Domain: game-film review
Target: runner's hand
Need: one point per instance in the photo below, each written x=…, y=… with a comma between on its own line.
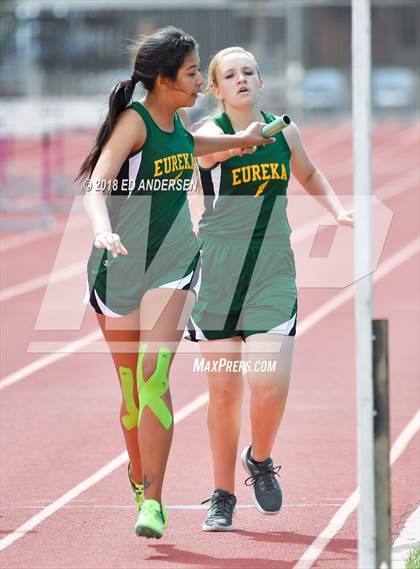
x=345, y=218
x=111, y=242
x=252, y=135
x=242, y=151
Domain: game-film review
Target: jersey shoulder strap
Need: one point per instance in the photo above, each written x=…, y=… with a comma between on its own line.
x=142, y=111
x=224, y=123
x=179, y=126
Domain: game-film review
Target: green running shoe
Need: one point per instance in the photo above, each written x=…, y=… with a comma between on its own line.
x=138, y=490
x=152, y=520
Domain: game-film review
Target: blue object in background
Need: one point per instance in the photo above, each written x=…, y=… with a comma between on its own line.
x=324, y=88
x=393, y=88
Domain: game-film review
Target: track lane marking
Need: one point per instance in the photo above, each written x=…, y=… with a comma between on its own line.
x=168, y=506
x=409, y=132
x=337, y=522
x=39, y=282
x=21, y=239
x=343, y=513
x=386, y=191
x=384, y=268
x=115, y=463
x=408, y=539
x=45, y=361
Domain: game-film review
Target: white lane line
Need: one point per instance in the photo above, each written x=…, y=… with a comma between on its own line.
x=410, y=137
x=29, y=237
x=45, y=361
x=205, y=507
x=386, y=191
x=410, y=133
x=170, y=506
x=402, y=441
x=339, y=134
x=384, y=268
x=41, y=281
x=340, y=517
x=201, y=400
x=408, y=539
x=91, y=480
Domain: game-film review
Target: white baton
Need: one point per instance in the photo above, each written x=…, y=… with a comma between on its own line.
x=276, y=126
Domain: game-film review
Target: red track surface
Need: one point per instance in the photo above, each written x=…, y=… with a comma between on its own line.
x=60, y=424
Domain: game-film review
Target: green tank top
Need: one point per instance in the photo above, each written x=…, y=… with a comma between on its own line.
x=161, y=171
x=242, y=194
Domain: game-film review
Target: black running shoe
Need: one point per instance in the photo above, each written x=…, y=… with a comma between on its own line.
x=222, y=507
x=267, y=493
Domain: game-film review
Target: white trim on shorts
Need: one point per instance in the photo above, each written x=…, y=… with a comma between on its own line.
x=198, y=332
x=283, y=329
x=180, y=283
x=104, y=308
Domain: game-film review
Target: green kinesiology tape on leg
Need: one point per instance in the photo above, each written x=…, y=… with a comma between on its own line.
x=127, y=384
x=152, y=390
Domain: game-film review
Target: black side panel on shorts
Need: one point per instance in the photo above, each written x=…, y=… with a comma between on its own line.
x=208, y=191
x=114, y=211
x=195, y=266
x=94, y=302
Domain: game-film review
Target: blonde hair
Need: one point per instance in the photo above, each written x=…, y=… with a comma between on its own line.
x=216, y=59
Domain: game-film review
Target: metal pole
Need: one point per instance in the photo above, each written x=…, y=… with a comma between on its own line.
x=46, y=171
x=381, y=429
x=3, y=161
x=361, y=71
x=294, y=55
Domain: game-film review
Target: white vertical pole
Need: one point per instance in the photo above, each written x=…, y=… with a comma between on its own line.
x=361, y=72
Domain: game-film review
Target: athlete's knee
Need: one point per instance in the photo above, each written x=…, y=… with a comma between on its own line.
x=269, y=392
x=153, y=384
x=226, y=394
x=148, y=364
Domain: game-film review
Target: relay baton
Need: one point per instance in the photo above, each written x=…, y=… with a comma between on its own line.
x=276, y=126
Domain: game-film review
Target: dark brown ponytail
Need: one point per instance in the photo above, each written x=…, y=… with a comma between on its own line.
x=161, y=53
x=119, y=98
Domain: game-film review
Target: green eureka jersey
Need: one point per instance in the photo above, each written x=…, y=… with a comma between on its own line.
x=161, y=171
x=261, y=178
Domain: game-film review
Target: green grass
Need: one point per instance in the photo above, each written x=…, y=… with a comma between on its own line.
x=413, y=559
